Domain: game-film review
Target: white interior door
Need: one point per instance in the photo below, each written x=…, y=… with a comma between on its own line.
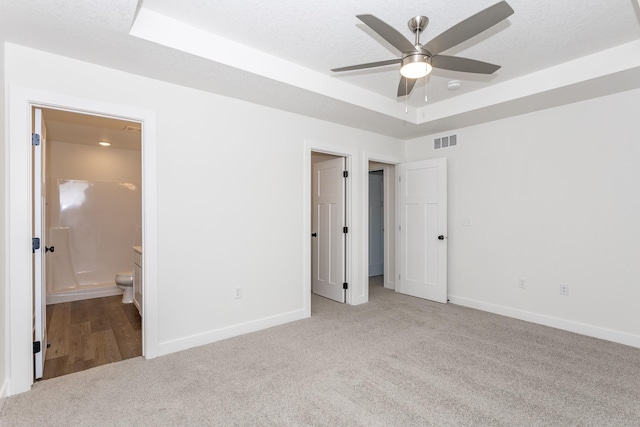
x=39, y=251
x=376, y=224
x=422, y=190
x=327, y=222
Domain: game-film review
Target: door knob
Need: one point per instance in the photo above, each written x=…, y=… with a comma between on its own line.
x=441, y=237
x=49, y=249
x=314, y=234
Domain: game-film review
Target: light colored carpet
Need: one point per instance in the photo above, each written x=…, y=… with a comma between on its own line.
x=396, y=361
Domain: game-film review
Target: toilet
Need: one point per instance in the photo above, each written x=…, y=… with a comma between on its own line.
x=125, y=282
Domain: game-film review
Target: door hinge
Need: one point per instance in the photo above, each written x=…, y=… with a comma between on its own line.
x=345, y=174
x=345, y=230
x=35, y=139
x=345, y=285
x=399, y=276
x=35, y=244
x=36, y=347
x=399, y=179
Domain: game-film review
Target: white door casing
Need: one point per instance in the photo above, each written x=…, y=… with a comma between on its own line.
x=327, y=222
x=39, y=252
x=422, y=229
x=376, y=224
x=19, y=217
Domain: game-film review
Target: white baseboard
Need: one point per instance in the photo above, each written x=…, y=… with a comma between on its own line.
x=229, y=332
x=554, y=322
x=82, y=294
x=3, y=394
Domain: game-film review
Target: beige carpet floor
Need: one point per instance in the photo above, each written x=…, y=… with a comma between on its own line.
x=396, y=361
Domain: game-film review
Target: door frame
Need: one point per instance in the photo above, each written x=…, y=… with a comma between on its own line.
x=39, y=212
x=18, y=176
x=357, y=217
x=350, y=278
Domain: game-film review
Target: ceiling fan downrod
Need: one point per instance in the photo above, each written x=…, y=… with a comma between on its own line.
x=417, y=24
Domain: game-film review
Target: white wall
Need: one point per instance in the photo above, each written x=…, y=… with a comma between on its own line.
x=4, y=315
x=553, y=198
x=231, y=208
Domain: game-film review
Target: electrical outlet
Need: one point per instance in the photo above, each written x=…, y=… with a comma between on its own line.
x=238, y=290
x=522, y=283
x=467, y=221
x=564, y=289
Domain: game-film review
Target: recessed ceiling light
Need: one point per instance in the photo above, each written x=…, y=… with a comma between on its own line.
x=104, y=143
x=454, y=85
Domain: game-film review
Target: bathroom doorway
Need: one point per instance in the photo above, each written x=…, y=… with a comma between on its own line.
x=19, y=216
x=92, y=218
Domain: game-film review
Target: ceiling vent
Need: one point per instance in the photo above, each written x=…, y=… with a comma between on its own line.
x=445, y=142
x=131, y=128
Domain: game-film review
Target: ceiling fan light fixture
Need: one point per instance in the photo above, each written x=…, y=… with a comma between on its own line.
x=416, y=66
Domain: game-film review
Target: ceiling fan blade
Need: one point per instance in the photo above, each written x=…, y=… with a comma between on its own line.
x=368, y=65
x=388, y=33
x=470, y=27
x=405, y=86
x=456, y=63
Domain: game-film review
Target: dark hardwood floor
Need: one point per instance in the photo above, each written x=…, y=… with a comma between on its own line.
x=89, y=333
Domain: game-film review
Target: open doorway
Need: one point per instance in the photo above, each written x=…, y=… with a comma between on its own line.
x=381, y=233
x=90, y=215
x=19, y=216
x=376, y=231
x=376, y=223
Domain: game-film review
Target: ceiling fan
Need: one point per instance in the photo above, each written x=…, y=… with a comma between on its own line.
x=417, y=60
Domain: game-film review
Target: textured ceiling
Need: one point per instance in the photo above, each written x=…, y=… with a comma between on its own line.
x=541, y=44
x=327, y=34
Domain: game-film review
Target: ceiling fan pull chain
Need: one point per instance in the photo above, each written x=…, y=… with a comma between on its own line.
x=426, y=89
x=406, y=97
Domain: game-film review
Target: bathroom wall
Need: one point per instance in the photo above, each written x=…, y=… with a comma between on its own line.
x=94, y=192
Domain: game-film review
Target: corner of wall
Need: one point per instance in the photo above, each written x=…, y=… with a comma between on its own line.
x=3, y=232
x=230, y=332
